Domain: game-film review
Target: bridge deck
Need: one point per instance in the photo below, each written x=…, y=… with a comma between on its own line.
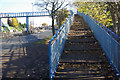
x=24, y=14
x=83, y=58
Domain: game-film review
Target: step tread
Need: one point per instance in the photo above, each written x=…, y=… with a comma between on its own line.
x=82, y=47
x=81, y=40
x=72, y=31
x=80, y=36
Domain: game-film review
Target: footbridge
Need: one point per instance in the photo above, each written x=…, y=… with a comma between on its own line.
x=89, y=50
x=23, y=14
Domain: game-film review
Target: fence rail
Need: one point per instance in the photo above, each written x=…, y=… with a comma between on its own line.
x=56, y=45
x=108, y=41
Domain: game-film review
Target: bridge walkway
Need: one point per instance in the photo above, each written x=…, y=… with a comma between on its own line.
x=83, y=58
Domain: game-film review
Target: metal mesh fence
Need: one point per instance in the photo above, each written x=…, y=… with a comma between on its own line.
x=56, y=45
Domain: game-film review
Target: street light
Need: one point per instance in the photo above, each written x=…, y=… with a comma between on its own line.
x=33, y=11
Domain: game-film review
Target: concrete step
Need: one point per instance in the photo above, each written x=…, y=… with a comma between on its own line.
x=77, y=24
x=84, y=52
x=83, y=45
x=80, y=29
x=82, y=78
x=73, y=31
x=80, y=36
x=84, y=56
x=84, y=40
x=83, y=27
x=77, y=21
x=83, y=70
x=74, y=76
x=81, y=48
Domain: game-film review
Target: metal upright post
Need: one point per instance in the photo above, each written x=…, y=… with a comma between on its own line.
x=33, y=13
x=0, y=25
x=50, y=62
x=27, y=24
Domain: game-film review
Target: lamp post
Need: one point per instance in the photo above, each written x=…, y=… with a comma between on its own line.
x=33, y=13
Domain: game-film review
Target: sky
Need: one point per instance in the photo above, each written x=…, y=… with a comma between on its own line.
x=16, y=5
x=22, y=6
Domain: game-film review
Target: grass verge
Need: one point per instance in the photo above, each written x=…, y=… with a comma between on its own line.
x=43, y=41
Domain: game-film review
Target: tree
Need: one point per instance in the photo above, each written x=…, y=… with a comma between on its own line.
x=52, y=6
x=114, y=8
x=15, y=22
x=62, y=15
x=22, y=25
x=107, y=13
x=44, y=24
x=9, y=22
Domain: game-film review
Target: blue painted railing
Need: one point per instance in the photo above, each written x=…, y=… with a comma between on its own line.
x=24, y=14
x=108, y=41
x=56, y=45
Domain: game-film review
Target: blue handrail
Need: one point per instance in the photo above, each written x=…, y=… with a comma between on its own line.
x=108, y=41
x=108, y=30
x=56, y=45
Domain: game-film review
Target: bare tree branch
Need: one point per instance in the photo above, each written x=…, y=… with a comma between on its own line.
x=52, y=6
x=59, y=6
x=56, y=3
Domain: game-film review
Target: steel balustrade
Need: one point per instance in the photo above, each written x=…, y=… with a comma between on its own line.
x=108, y=41
x=56, y=45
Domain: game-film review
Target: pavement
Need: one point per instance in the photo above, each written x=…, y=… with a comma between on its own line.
x=9, y=45
x=22, y=60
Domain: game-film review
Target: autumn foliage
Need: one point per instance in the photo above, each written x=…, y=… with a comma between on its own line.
x=15, y=22
x=107, y=13
x=62, y=15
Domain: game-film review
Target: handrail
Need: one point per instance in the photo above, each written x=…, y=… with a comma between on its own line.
x=108, y=41
x=108, y=30
x=56, y=45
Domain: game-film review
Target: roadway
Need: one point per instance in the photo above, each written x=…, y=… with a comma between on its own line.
x=9, y=45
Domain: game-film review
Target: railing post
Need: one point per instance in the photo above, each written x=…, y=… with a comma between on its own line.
x=50, y=59
x=87, y=18
x=117, y=57
x=0, y=25
x=27, y=24
x=77, y=11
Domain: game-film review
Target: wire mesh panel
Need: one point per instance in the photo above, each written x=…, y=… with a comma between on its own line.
x=56, y=45
x=107, y=40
